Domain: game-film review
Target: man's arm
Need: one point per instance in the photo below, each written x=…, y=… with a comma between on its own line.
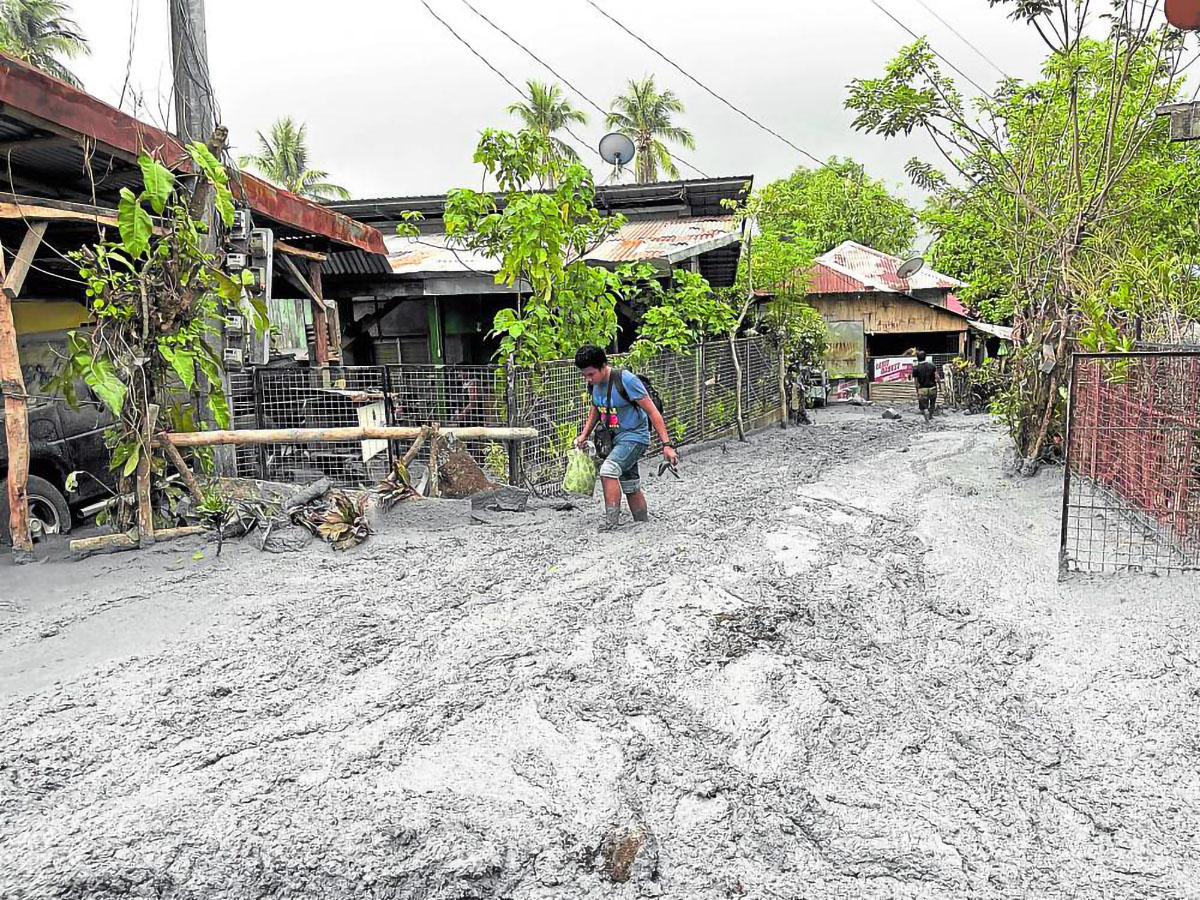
x=592, y=419
x=660, y=427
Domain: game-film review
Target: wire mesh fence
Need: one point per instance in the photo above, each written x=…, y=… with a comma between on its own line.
x=700, y=389
x=1131, y=491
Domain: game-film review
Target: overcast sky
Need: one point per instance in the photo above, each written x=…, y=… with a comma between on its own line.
x=394, y=103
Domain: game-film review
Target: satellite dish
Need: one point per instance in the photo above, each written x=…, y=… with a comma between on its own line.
x=910, y=268
x=616, y=149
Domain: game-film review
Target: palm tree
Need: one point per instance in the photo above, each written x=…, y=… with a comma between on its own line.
x=283, y=159
x=548, y=112
x=39, y=32
x=644, y=116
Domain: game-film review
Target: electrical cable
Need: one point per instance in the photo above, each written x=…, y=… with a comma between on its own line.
x=918, y=37
x=704, y=86
x=545, y=65
x=962, y=38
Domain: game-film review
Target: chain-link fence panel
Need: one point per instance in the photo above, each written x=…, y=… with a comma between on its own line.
x=1131, y=488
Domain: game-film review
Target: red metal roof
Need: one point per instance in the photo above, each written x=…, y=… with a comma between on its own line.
x=53, y=105
x=877, y=270
x=824, y=280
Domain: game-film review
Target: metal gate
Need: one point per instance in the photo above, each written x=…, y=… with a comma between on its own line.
x=1131, y=486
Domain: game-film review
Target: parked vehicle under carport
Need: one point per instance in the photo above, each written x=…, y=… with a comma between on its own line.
x=62, y=440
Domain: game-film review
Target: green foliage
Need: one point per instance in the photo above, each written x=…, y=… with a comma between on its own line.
x=1064, y=206
x=539, y=239
x=282, y=159
x=800, y=329
x=644, y=115
x=673, y=320
x=39, y=32
x=839, y=202
x=547, y=112
x=154, y=293
x=496, y=462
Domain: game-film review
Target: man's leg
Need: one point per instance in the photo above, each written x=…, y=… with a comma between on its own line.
x=637, y=506
x=611, y=486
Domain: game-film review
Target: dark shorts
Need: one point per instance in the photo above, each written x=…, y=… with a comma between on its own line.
x=926, y=397
x=622, y=463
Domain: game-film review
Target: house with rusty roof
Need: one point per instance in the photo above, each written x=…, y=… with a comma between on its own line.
x=67, y=155
x=877, y=316
x=431, y=302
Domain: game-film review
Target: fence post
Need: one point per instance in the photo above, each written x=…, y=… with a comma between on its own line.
x=783, y=397
x=514, y=447
x=256, y=386
x=1063, y=557
x=702, y=375
x=389, y=415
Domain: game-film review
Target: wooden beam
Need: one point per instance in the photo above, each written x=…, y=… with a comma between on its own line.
x=15, y=279
x=299, y=251
x=10, y=210
x=130, y=540
x=293, y=275
x=16, y=430
x=347, y=433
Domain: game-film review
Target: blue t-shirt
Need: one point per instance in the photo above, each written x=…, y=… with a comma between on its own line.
x=628, y=420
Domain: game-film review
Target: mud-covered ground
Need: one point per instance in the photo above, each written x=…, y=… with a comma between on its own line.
x=837, y=663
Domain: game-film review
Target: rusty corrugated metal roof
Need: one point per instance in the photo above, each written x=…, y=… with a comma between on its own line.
x=666, y=240
x=41, y=102
x=824, y=280
x=878, y=270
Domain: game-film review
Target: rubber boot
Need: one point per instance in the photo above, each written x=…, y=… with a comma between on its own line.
x=612, y=518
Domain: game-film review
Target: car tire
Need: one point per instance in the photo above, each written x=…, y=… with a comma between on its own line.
x=44, y=494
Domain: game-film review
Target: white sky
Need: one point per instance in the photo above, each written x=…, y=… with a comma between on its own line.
x=394, y=103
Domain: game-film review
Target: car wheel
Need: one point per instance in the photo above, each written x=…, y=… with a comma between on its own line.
x=48, y=509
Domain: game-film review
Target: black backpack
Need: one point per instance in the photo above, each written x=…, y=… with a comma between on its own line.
x=655, y=397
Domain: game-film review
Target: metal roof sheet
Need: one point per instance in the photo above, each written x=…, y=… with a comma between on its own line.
x=878, y=270
x=666, y=240
x=38, y=106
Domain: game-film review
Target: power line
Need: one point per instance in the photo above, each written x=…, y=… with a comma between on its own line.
x=879, y=6
x=962, y=38
x=701, y=84
x=563, y=79
x=484, y=60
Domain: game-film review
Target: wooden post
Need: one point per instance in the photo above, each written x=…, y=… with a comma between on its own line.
x=333, y=329
x=512, y=411
x=184, y=471
x=434, y=468
x=783, y=397
x=16, y=429
x=145, y=458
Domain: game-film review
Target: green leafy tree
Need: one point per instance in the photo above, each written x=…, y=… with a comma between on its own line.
x=40, y=33
x=282, y=159
x=644, y=115
x=540, y=239
x=155, y=293
x=1052, y=190
x=676, y=317
x=837, y=203
x=547, y=112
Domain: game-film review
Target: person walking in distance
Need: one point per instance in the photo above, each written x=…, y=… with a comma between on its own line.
x=619, y=418
x=925, y=374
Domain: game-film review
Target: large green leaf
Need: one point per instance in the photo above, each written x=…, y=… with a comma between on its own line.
x=158, y=180
x=182, y=361
x=216, y=393
x=225, y=204
x=134, y=224
x=102, y=378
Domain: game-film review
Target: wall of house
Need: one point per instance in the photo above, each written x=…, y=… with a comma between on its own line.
x=884, y=313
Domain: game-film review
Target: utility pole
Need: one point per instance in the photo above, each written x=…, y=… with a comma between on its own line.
x=194, y=120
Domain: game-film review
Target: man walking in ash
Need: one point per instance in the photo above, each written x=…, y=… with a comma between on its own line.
x=925, y=374
x=619, y=421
